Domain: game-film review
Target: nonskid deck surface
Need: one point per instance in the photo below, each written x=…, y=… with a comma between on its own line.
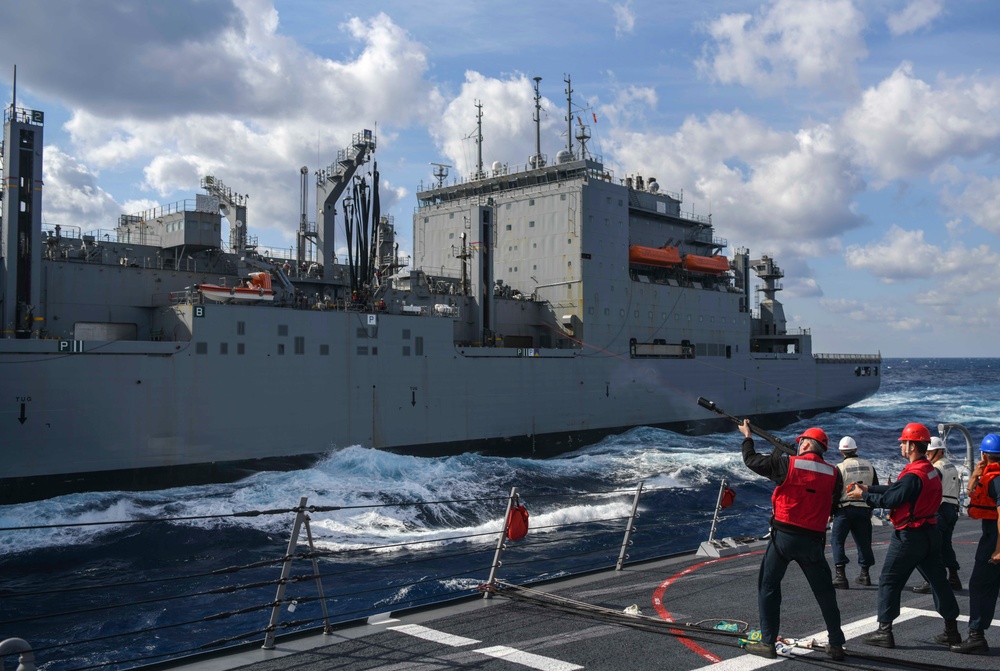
x=506, y=634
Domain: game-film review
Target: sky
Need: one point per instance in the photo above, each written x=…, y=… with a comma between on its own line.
x=855, y=141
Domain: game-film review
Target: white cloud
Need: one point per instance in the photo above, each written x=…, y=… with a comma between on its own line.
x=914, y=16
x=904, y=125
x=979, y=201
x=753, y=180
x=800, y=43
x=624, y=18
x=238, y=100
x=906, y=255
x=508, y=128
x=72, y=193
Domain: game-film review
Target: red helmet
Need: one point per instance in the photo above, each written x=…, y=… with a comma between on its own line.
x=819, y=435
x=918, y=433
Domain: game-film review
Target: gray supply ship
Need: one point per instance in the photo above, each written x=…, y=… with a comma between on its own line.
x=544, y=307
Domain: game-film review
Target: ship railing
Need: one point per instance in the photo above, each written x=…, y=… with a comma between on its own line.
x=332, y=570
x=848, y=358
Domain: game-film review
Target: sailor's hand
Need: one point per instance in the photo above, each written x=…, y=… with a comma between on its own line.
x=856, y=490
x=745, y=428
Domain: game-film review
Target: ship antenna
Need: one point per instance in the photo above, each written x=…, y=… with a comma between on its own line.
x=569, y=115
x=537, y=160
x=13, y=102
x=441, y=172
x=479, y=140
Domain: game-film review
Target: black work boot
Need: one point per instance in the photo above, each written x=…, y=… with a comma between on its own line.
x=924, y=588
x=950, y=636
x=836, y=652
x=953, y=579
x=974, y=645
x=883, y=638
x=761, y=649
x=840, y=578
x=864, y=579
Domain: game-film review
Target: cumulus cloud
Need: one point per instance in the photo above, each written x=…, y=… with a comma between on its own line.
x=215, y=88
x=780, y=191
x=905, y=255
x=72, y=193
x=914, y=16
x=508, y=126
x=800, y=43
x=904, y=126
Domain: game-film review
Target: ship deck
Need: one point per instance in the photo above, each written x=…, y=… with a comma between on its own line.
x=578, y=623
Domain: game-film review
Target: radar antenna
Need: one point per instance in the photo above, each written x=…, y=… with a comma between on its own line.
x=440, y=172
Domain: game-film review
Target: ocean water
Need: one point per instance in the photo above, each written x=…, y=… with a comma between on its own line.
x=72, y=591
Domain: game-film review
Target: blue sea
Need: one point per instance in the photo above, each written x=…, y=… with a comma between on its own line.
x=71, y=591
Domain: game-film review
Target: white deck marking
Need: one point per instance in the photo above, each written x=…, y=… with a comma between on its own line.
x=434, y=635
x=528, y=659
x=749, y=662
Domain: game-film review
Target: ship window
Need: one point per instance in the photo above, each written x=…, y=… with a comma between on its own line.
x=281, y=348
x=534, y=267
x=508, y=206
x=451, y=215
x=363, y=350
x=406, y=334
x=426, y=219
x=507, y=227
x=324, y=350
x=300, y=345
x=241, y=328
x=531, y=201
x=241, y=348
x=375, y=351
x=362, y=331
x=451, y=236
x=531, y=224
x=223, y=348
x=419, y=350
x=406, y=350
x=282, y=329
x=729, y=351
x=562, y=196
x=201, y=348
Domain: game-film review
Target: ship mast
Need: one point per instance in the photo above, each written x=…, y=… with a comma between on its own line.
x=569, y=115
x=538, y=161
x=479, y=140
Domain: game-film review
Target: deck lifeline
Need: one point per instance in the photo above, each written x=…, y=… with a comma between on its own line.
x=500, y=634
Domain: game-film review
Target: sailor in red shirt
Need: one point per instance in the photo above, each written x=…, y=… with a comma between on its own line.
x=808, y=491
x=913, y=501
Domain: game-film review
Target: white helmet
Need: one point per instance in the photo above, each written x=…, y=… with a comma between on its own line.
x=936, y=444
x=847, y=444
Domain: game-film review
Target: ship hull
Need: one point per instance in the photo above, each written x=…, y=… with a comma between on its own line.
x=124, y=414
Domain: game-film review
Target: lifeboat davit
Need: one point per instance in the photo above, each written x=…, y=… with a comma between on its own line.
x=710, y=265
x=257, y=288
x=654, y=256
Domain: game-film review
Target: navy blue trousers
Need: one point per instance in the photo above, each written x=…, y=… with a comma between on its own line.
x=918, y=549
x=807, y=552
x=947, y=518
x=984, y=585
x=856, y=521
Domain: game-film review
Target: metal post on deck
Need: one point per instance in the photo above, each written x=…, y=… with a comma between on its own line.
x=327, y=629
x=286, y=569
x=629, y=528
x=718, y=509
x=500, y=542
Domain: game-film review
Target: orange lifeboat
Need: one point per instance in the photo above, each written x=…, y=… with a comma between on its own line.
x=654, y=256
x=710, y=265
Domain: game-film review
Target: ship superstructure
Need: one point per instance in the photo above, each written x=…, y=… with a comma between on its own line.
x=544, y=306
